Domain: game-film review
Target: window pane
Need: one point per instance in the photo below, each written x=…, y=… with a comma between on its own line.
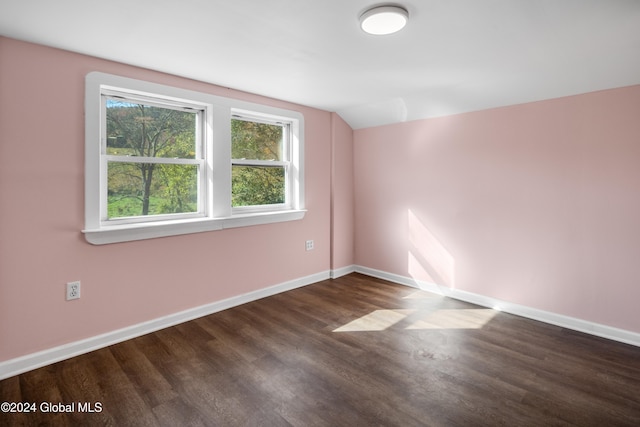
x=135, y=129
x=256, y=141
x=136, y=189
x=253, y=186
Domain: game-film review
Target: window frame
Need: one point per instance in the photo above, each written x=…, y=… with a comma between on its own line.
x=284, y=162
x=214, y=193
x=200, y=158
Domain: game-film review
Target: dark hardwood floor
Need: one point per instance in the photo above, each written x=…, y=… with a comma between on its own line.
x=355, y=351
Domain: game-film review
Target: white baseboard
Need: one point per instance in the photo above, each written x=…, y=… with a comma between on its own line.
x=32, y=361
x=572, y=323
x=343, y=271
x=401, y=280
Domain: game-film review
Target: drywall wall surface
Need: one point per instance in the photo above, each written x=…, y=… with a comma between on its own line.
x=42, y=215
x=536, y=204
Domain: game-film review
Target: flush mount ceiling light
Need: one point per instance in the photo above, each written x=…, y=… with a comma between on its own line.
x=384, y=20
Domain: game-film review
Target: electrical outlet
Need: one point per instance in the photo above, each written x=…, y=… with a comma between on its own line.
x=309, y=245
x=73, y=290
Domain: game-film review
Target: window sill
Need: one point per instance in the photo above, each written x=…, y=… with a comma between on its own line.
x=132, y=232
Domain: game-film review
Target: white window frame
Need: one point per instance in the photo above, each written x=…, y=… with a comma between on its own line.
x=285, y=162
x=202, y=147
x=214, y=190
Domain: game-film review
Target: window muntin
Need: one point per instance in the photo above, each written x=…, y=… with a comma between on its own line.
x=208, y=168
x=153, y=158
x=260, y=151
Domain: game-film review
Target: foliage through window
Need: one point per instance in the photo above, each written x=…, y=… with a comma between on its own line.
x=259, y=152
x=153, y=159
x=161, y=161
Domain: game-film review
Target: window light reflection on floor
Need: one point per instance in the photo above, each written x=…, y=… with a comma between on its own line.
x=379, y=320
x=422, y=295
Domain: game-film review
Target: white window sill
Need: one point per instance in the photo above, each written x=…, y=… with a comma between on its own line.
x=131, y=232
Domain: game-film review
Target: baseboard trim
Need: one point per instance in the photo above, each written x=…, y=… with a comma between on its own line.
x=572, y=323
x=343, y=271
x=32, y=361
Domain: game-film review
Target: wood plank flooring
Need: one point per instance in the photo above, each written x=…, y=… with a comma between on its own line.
x=355, y=351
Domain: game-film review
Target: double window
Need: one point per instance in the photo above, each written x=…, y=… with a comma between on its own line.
x=161, y=161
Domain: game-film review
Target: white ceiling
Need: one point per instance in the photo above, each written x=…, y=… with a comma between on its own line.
x=454, y=55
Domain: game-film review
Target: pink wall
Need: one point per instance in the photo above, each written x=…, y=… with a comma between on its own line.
x=342, y=210
x=535, y=204
x=42, y=213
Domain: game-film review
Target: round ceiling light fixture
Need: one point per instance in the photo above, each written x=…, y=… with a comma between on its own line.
x=383, y=20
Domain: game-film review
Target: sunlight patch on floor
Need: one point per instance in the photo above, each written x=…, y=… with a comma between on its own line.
x=474, y=318
x=379, y=320
x=422, y=295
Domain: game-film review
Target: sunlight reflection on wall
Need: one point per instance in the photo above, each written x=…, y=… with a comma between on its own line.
x=428, y=260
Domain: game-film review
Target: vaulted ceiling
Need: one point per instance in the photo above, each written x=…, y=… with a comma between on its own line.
x=453, y=56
